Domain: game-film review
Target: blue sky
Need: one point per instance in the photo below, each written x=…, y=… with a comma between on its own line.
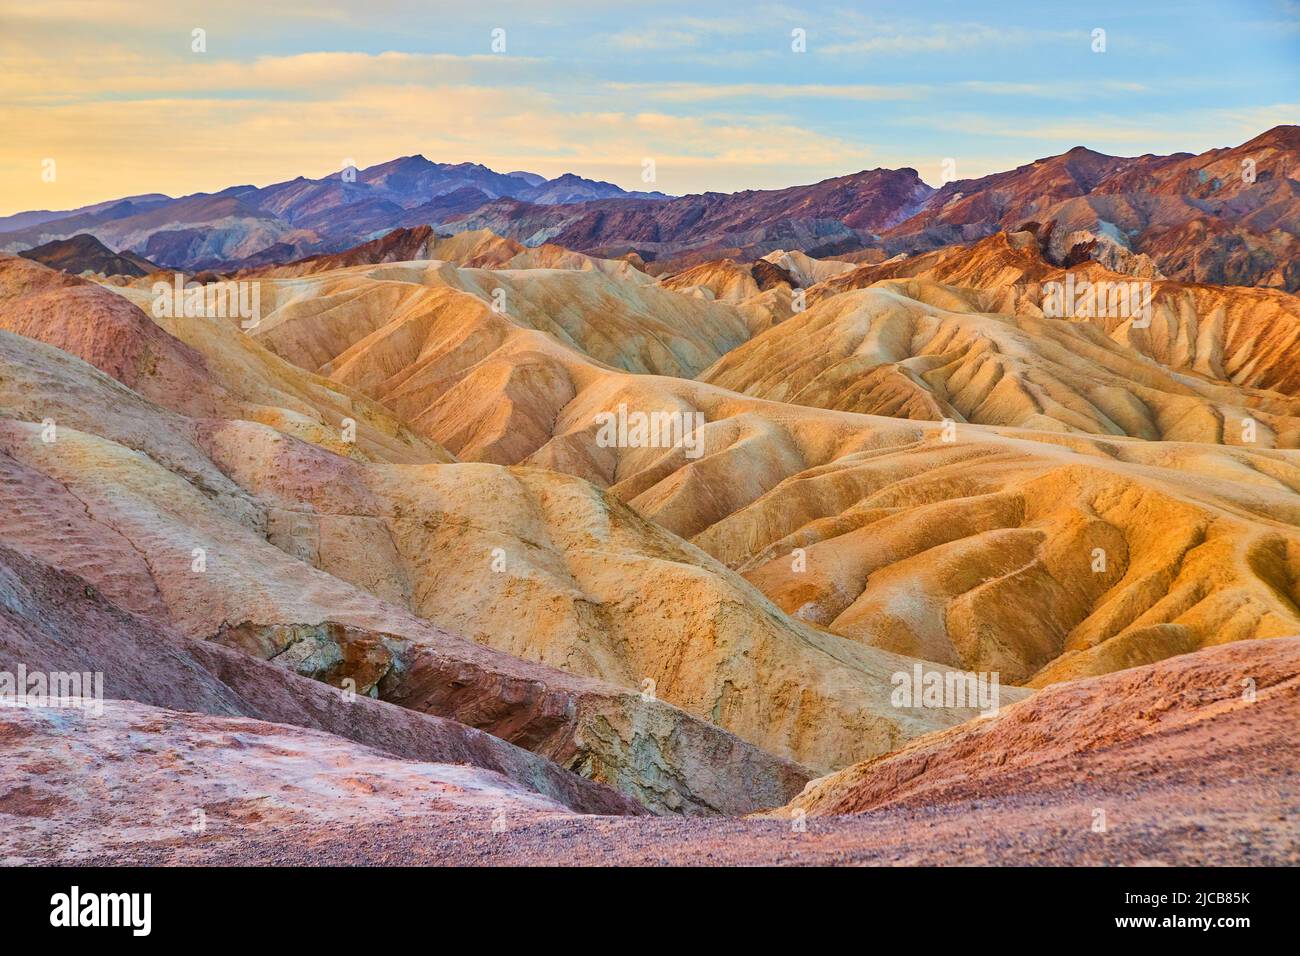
x=711, y=91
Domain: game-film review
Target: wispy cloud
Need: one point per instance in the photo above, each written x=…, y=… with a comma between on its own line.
x=1191, y=130
x=1057, y=90
x=684, y=32
x=898, y=38
x=759, y=92
x=120, y=73
x=658, y=39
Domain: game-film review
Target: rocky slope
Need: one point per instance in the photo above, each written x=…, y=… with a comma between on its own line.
x=1243, y=337
x=136, y=493
x=1162, y=765
x=1038, y=555
x=342, y=569
x=54, y=621
x=919, y=349
x=103, y=782
x=697, y=625
x=1182, y=719
x=467, y=356
x=160, y=359
x=130, y=528
x=591, y=578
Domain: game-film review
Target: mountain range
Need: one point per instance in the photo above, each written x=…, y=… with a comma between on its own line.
x=247, y=224
x=1226, y=216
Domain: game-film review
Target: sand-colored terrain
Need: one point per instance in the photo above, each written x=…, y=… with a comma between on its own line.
x=1052, y=546
x=1047, y=548
x=385, y=517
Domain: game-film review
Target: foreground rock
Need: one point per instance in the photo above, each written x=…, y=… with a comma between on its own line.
x=1177, y=771
x=261, y=601
x=54, y=622
x=138, y=772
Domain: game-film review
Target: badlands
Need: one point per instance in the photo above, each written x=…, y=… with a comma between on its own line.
x=366, y=584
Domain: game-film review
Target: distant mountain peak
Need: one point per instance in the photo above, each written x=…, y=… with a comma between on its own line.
x=402, y=164
x=1280, y=137
x=86, y=253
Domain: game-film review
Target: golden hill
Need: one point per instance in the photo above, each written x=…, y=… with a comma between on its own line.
x=913, y=348
x=1243, y=336
x=1051, y=547
x=336, y=566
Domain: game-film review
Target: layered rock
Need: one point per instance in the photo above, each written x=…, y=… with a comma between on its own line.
x=1229, y=216
x=52, y=621
x=1243, y=337
x=921, y=350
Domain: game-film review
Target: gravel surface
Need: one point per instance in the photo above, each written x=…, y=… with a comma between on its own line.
x=1147, y=826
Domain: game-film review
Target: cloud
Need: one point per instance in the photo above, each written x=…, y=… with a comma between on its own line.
x=124, y=74
x=1061, y=90
x=177, y=145
x=699, y=92
x=685, y=32
x=899, y=38
x=1163, y=132
x=111, y=90
x=658, y=39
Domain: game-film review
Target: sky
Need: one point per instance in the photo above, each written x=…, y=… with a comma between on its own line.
x=107, y=98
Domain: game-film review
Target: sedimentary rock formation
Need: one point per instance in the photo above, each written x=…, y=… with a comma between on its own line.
x=872, y=468
x=1050, y=549
x=53, y=621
